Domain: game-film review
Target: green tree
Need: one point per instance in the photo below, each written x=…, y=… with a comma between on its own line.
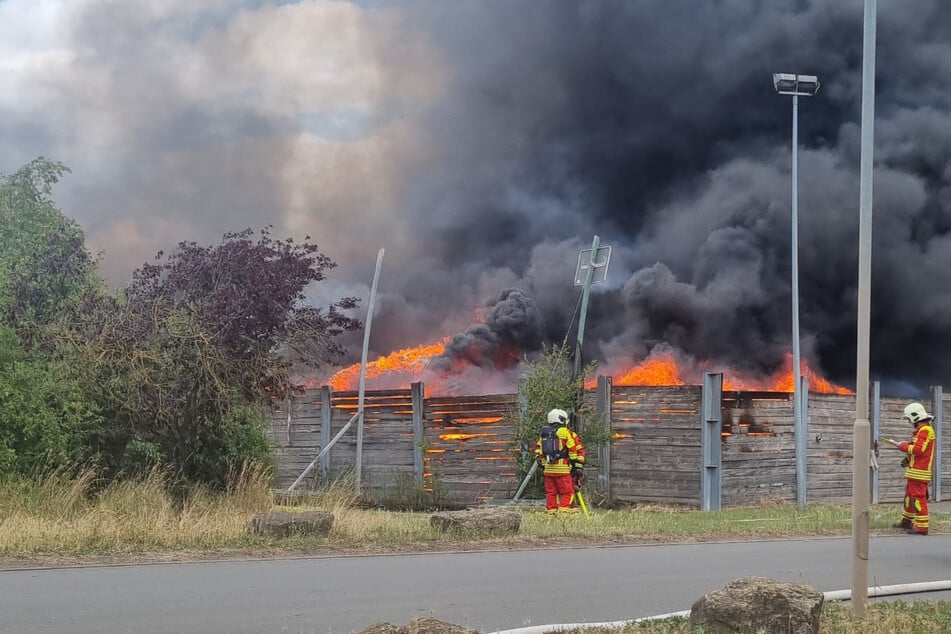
x=46, y=278
x=46, y=273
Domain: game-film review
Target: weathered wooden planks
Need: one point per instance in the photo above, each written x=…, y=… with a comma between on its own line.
x=654, y=454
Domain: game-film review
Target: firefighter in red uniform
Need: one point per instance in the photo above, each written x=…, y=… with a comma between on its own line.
x=559, y=488
x=920, y=456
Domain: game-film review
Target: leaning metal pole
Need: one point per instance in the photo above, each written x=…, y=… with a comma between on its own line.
x=797, y=395
x=861, y=441
x=363, y=372
x=588, y=275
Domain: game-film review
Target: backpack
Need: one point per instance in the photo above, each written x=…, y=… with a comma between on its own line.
x=552, y=450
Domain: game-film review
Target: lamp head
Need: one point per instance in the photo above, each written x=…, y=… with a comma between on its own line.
x=791, y=84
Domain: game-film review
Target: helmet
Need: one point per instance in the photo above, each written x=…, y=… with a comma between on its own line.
x=557, y=417
x=915, y=412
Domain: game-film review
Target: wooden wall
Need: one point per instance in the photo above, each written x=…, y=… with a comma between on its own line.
x=758, y=448
x=468, y=446
x=655, y=451
x=465, y=444
x=388, y=441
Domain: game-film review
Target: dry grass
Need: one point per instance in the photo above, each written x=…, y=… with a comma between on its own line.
x=68, y=517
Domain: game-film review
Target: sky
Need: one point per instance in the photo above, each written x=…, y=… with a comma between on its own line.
x=483, y=144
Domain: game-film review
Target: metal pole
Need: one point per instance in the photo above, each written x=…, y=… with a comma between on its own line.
x=797, y=402
x=363, y=370
x=861, y=433
x=584, y=303
x=323, y=452
x=938, y=412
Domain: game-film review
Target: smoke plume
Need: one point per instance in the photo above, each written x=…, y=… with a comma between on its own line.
x=484, y=144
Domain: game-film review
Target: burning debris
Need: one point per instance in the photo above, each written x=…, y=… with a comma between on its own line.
x=446, y=369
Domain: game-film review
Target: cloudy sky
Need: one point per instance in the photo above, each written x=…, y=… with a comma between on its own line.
x=482, y=144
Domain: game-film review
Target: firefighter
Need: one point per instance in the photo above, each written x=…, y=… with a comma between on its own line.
x=919, y=458
x=557, y=466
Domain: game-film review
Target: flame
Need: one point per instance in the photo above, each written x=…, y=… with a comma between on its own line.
x=408, y=361
x=661, y=369
x=782, y=381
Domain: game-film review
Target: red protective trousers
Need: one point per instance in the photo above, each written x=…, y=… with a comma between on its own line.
x=916, y=505
x=558, y=491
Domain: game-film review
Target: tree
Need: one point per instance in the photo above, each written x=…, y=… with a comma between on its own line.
x=46, y=273
x=46, y=279
x=197, y=340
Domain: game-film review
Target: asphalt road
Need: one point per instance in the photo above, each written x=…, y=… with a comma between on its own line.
x=487, y=591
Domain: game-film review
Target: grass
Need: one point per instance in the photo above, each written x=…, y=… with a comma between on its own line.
x=70, y=520
x=69, y=517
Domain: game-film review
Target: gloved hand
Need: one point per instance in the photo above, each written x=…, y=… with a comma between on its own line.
x=577, y=474
x=904, y=461
x=903, y=446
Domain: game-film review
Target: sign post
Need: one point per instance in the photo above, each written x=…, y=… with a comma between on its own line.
x=592, y=269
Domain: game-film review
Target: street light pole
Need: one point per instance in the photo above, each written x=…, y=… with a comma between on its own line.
x=861, y=432
x=797, y=397
x=808, y=86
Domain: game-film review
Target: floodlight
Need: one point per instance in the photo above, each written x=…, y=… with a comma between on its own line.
x=791, y=84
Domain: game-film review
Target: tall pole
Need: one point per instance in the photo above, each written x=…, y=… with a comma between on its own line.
x=589, y=274
x=861, y=441
x=363, y=372
x=797, y=396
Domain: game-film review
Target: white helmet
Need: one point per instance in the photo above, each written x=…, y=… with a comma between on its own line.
x=557, y=417
x=916, y=413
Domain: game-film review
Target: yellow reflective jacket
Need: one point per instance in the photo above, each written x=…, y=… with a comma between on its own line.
x=921, y=454
x=569, y=441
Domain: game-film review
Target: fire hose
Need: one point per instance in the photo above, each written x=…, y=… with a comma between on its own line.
x=576, y=483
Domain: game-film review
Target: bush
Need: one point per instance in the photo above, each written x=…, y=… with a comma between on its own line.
x=44, y=420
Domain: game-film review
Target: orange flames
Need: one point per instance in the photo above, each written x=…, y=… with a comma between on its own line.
x=399, y=369
x=662, y=369
x=401, y=365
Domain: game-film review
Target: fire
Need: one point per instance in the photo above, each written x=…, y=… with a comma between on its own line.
x=408, y=362
x=662, y=369
x=399, y=369
x=655, y=371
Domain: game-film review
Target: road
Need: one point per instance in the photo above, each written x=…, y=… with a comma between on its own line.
x=486, y=591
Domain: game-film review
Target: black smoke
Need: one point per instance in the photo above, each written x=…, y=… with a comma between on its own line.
x=485, y=143
x=655, y=125
x=512, y=328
